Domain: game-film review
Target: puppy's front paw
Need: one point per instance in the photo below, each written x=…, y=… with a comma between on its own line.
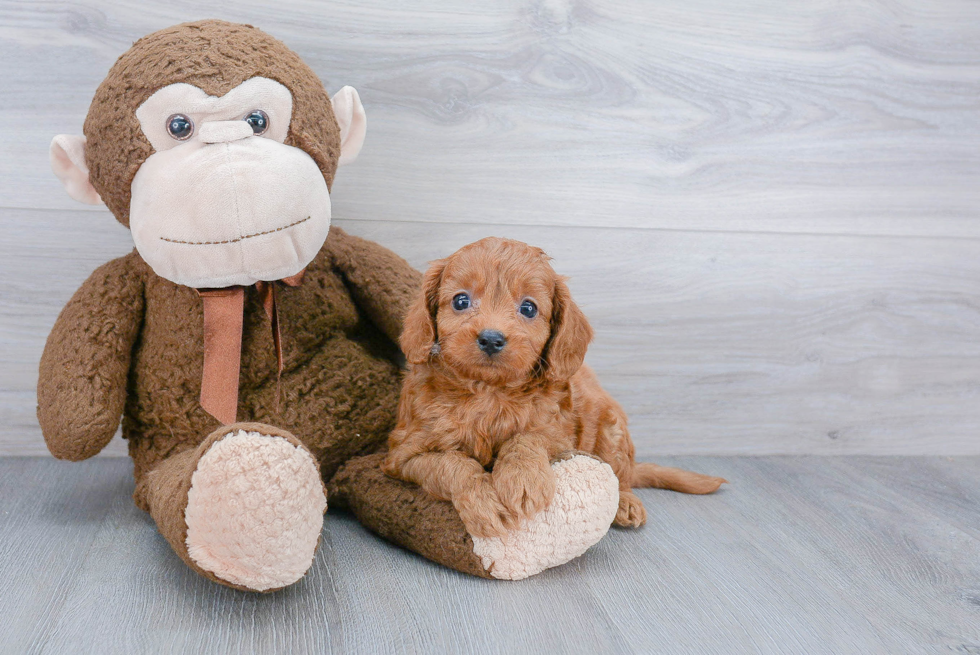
x=482, y=512
x=524, y=489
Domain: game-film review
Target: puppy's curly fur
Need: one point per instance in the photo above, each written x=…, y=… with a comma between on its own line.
x=497, y=389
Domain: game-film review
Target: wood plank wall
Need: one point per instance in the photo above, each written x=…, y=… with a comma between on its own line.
x=770, y=211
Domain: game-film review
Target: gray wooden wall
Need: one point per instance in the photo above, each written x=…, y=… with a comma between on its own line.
x=770, y=211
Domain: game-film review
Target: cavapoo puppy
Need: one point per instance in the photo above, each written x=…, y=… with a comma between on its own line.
x=497, y=389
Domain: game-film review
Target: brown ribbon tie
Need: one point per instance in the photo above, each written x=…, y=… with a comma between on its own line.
x=223, y=319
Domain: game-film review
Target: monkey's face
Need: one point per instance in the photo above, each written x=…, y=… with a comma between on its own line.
x=222, y=200
x=217, y=146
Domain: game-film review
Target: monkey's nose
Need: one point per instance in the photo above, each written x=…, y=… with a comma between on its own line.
x=491, y=341
x=224, y=131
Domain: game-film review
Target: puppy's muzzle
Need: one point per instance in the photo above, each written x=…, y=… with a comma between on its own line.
x=491, y=342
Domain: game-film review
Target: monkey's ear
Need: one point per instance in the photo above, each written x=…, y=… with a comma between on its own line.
x=349, y=111
x=68, y=163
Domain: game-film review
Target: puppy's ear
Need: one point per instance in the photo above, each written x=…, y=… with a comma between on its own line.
x=419, y=334
x=570, y=336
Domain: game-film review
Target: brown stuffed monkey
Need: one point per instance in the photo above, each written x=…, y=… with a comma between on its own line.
x=250, y=354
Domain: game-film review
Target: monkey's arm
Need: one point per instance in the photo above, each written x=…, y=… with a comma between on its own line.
x=382, y=283
x=81, y=389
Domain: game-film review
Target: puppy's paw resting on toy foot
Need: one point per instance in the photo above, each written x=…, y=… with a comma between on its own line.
x=255, y=510
x=585, y=502
x=524, y=488
x=482, y=511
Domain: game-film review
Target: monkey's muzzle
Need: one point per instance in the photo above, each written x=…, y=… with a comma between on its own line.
x=233, y=211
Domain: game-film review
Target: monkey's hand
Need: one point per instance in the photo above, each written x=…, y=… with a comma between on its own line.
x=81, y=388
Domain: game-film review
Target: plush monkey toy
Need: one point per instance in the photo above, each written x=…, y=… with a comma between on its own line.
x=217, y=146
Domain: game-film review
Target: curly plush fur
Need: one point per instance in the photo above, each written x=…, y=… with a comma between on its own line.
x=131, y=342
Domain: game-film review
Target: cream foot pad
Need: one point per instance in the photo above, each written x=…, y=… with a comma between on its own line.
x=585, y=503
x=255, y=511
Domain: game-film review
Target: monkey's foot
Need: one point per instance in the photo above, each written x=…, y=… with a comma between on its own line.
x=255, y=510
x=584, y=506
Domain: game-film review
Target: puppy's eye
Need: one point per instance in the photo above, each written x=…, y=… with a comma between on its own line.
x=528, y=309
x=180, y=127
x=461, y=301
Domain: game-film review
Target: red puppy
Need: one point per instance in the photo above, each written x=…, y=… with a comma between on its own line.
x=497, y=389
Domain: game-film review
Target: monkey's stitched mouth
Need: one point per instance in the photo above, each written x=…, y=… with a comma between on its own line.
x=236, y=240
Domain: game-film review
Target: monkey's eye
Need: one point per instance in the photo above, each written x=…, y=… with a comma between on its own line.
x=180, y=127
x=528, y=309
x=461, y=301
x=259, y=120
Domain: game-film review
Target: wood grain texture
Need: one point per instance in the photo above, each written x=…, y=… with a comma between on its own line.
x=857, y=117
x=799, y=555
x=770, y=211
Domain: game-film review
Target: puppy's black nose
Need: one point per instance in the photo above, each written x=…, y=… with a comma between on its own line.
x=491, y=341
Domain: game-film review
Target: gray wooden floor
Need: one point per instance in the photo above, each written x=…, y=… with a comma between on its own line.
x=798, y=555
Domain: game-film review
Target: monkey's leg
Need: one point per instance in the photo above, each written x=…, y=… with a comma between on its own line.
x=585, y=503
x=245, y=508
